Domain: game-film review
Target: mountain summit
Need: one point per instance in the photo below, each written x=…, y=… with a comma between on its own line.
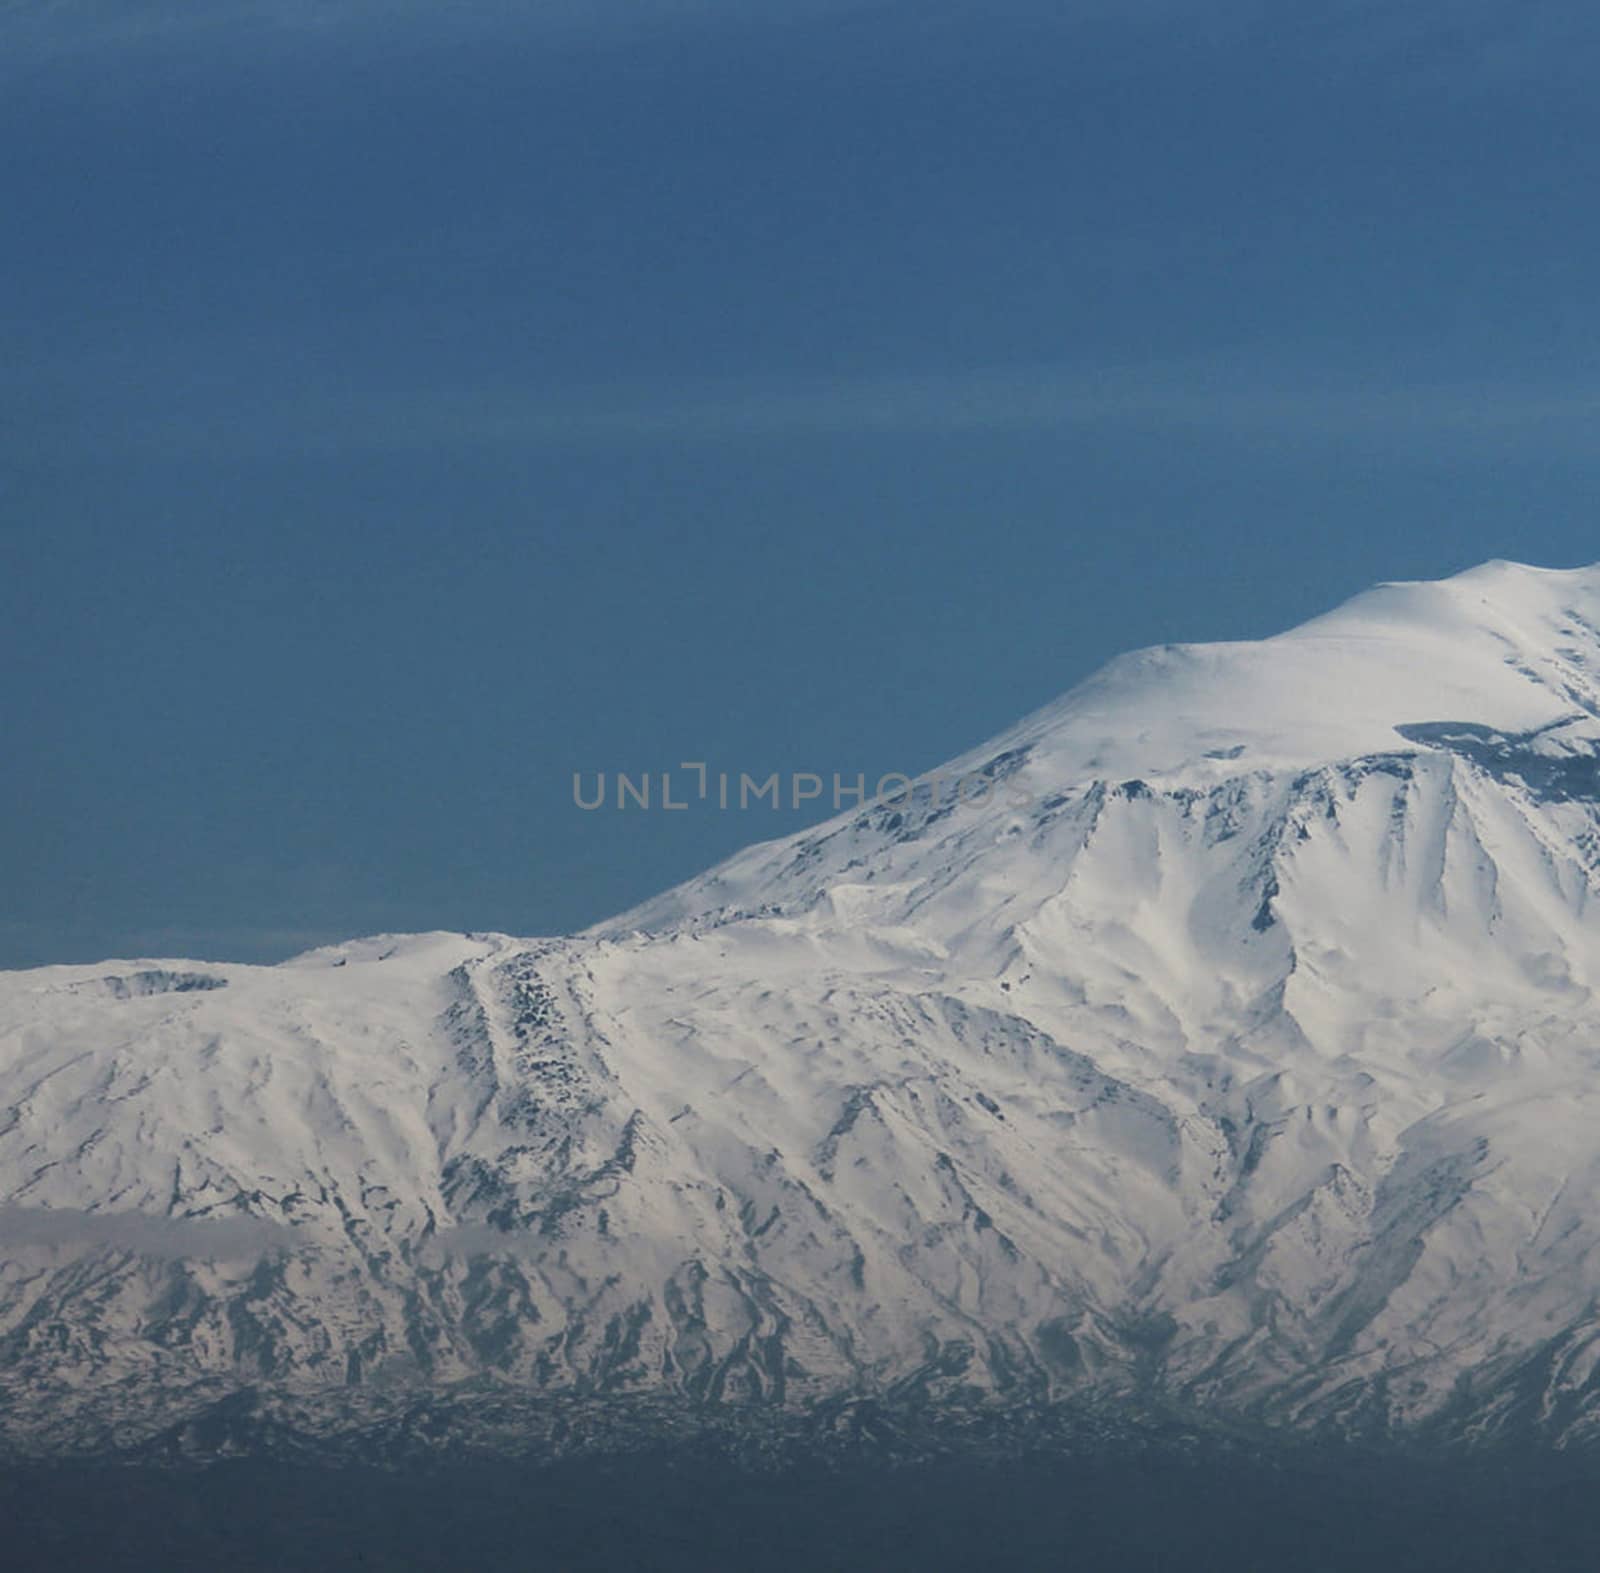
x=1232, y=1048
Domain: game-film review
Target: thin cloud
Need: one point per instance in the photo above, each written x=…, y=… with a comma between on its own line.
x=1453, y=45
x=1464, y=26
x=38, y=943
x=142, y=1234
x=1218, y=400
x=42, y=30
x=1465, y=47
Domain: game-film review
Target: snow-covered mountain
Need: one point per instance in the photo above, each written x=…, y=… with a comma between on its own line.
x=1239, y=1052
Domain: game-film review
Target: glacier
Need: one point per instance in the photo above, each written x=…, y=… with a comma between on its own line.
x=1239, y=1062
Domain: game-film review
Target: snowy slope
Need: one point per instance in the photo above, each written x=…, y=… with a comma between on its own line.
x=1240, y=1050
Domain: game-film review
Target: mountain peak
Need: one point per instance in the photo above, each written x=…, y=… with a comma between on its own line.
x=1505, y=645
x=1501, y=651
x=1503, y=570
x=1527, y=596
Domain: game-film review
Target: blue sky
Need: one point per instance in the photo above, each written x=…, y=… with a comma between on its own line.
x=403, y=407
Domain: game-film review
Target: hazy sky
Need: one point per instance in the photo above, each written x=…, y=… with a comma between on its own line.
x=405, y=406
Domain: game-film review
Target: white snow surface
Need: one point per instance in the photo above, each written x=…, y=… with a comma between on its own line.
x=1240, y=1051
